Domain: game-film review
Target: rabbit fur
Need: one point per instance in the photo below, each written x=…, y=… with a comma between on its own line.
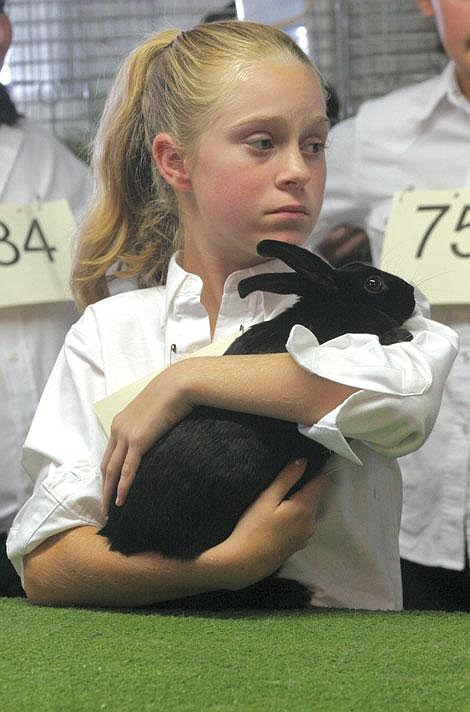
x=194, y=484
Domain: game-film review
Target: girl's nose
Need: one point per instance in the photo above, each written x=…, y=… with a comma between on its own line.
x=293, y=169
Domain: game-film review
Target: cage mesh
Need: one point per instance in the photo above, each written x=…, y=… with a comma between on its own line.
x=65, y=52
x=382, y=45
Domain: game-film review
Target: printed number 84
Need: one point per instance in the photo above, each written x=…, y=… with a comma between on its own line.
x=34, y=230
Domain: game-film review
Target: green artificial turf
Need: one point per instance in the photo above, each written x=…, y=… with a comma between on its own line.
x=77, y=659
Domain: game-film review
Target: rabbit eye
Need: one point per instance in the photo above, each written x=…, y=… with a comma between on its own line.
x=374, y=285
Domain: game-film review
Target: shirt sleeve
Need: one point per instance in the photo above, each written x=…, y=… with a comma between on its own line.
x=400, y=386
x=64, y=447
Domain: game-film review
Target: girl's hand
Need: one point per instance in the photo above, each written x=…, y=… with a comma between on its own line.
x=271, y=529
x=157, y=408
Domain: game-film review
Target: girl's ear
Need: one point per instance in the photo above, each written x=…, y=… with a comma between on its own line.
x=426, y=7
x=170, y=161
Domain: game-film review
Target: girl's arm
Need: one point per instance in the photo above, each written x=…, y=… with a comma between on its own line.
x=272, y=385
x=349, y=387
x=76, y=567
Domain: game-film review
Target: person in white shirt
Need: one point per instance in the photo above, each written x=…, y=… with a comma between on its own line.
x=185, y=159
x=417, y=138
x=34, y=166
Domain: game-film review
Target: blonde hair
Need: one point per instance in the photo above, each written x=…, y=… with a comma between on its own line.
x=171, y=83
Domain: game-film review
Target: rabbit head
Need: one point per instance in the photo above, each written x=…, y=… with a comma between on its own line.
x=313, y=277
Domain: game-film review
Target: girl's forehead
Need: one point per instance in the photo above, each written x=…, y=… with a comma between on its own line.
x=266, y=76
x=270, y=103
x=275, y=84
x=266, y=88
x=250, y=69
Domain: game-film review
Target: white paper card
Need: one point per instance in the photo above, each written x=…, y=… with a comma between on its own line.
x=35, y=252
x=427, y=242
x=110, y=406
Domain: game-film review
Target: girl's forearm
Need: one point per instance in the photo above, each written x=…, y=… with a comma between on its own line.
x=272, y=385
x=77, y=568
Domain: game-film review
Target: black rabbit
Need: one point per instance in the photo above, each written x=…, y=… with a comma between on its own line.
x=193, y=485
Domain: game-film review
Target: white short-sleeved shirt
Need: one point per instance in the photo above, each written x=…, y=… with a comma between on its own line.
x=352, y=561
x=34, y=166
x=415, y=138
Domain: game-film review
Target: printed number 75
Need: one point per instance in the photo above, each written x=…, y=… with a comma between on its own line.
x=441, y=211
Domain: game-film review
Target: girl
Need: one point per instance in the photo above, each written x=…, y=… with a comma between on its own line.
x=213, y=139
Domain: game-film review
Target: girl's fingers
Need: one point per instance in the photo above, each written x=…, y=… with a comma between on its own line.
x=112, y=473
x=107, y=455
x=128, y=471
x=311, y=492
x=286, y=479
x=107, y=485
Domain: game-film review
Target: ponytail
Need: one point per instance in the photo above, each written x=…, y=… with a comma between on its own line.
x=132, y=225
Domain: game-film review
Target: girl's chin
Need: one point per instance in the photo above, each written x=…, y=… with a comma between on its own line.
x=290, y=238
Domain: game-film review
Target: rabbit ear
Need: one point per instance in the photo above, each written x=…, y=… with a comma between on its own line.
x=303, y=261
x=284, y=283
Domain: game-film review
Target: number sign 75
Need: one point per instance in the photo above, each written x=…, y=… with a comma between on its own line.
x=441, y=210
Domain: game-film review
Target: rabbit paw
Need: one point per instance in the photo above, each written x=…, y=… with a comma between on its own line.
x=393, y=336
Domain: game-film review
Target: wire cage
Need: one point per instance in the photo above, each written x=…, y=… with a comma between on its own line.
x=65, y=53
x=382, y=45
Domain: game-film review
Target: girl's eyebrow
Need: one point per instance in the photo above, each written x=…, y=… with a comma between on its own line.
x=320, y=121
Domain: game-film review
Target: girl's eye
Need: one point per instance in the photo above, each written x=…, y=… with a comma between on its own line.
x=262, y=144
x=314, y=147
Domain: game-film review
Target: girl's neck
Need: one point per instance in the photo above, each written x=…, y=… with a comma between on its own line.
x=211, y=301
x=213, y=265
x=213, y=273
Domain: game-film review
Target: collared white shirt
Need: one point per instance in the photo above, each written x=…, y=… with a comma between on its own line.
x=34, y=166
x=417, y=137
x=352, y=560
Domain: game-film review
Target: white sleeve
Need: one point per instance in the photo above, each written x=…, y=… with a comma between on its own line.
x=342, y=202
x=64, y=447
x=401, y=385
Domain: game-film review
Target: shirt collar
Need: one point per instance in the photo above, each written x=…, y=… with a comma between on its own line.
x=446, y=87
x=181, y=283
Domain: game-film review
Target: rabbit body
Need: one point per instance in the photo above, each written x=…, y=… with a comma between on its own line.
x=193, y=485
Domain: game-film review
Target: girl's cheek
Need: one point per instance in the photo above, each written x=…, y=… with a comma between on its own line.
x=241, y=189
x=235, y=208
x=228, y=201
